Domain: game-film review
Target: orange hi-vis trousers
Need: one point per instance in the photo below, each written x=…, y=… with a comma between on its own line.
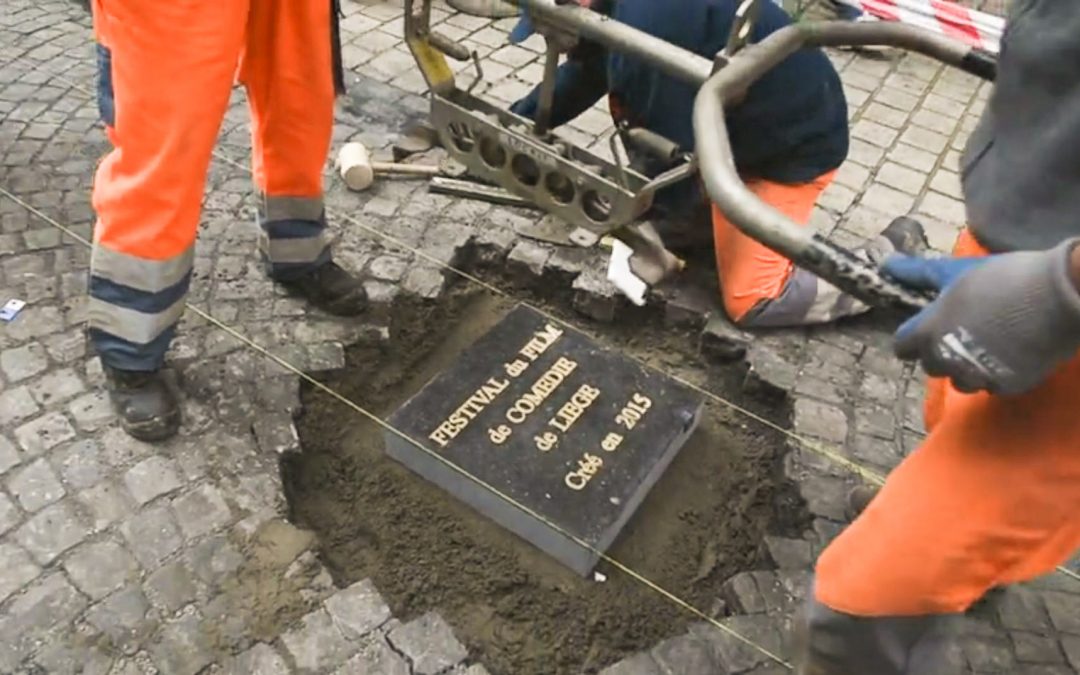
x=759, y=286
x=991, y=497
x=173, y=66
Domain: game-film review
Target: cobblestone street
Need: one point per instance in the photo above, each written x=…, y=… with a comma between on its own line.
x=118, y=557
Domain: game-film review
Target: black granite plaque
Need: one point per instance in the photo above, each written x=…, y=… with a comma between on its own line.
x=573, y=431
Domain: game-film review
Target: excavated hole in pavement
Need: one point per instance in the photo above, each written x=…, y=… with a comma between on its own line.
x=517, y=611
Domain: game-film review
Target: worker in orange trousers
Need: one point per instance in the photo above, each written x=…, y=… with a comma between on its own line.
x=991, y=496
x=788, y=135
x=167, y=72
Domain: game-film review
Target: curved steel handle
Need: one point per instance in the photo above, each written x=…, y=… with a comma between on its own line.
x=761, y=221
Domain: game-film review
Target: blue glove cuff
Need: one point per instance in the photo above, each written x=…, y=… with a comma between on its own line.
x=522, y=30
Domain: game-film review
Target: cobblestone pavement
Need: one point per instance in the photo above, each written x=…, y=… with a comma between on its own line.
x=120, y=557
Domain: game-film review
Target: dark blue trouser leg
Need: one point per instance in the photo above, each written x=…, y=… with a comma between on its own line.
x=846, y=12
x=106, y=105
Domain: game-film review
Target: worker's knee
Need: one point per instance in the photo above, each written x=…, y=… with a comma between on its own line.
x=754, y=306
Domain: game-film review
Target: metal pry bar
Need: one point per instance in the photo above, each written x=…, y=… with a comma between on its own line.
x=585, y=190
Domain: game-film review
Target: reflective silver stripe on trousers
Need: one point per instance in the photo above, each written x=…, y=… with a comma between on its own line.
x=293, y=251
x=129, y=324
x=290, y=208
x=143, y=274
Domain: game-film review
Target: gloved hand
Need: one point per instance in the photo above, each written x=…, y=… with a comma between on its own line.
x=1001, y=324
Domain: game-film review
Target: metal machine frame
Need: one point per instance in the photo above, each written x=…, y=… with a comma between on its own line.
x=527, y=158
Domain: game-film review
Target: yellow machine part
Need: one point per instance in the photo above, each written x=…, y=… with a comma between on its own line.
x=432, y=64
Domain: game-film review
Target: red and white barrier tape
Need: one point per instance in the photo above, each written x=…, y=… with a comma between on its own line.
x=970, y=26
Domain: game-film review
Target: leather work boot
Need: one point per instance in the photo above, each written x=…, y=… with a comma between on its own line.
x=907, y=235
x=903, y=235
x=331, y=289
x=147, y=407
x=858, y=499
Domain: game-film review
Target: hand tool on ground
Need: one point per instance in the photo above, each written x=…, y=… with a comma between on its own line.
x=604, y=196
x=358, y=170
x=462, y=187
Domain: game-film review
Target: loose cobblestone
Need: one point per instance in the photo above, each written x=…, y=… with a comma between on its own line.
x=123, y=618
x=317, y=645
x=9, y=456
x=152, y=478
x=100, y=568
x=183, y=648
x=18, y=568
x=152, y=535
x=21, y=363
x=35, y=486
x=44, y=433
x=376, y=657
x=358, y=610
x=429, y=644
x=260, y=659
x=51, y=532
x=171, y=587
x=201, y=511
x=16, y=405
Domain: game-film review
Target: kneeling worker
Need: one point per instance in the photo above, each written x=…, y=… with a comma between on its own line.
x=789, y=135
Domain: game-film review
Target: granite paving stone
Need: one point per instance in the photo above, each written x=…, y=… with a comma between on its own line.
x=9, y=456
x=35, y=486
x=317, y=645
x=183, y=647
x=18, y=569
x=124, y=618
x=358, y=609
x=99, y=568
x=152, y=477
x=429, y=643
x=152, y=535
x=171, y=587
x=51, y=531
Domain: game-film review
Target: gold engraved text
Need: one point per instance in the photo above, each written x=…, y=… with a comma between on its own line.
x=575, y=407
x=611, y=442
x=587, y=467
x=540, y=342
x=499, y=434
x=546, y=441
x=467, y=411
x=633, y=411
x=537, y=345
x=541, y=389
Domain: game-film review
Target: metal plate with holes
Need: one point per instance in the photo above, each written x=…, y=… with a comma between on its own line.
x=552, y=173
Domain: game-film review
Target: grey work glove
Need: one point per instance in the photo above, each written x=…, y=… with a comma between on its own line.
x=1001, y=324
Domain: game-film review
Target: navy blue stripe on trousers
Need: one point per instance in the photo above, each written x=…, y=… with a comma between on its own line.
x=105, y=99
x=292, y=247
x=131, y=328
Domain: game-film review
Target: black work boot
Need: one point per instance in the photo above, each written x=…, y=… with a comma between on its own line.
x=147, y=407
x=330, y=288
x=907, y=236
x=858, y=499
x=903, y=235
